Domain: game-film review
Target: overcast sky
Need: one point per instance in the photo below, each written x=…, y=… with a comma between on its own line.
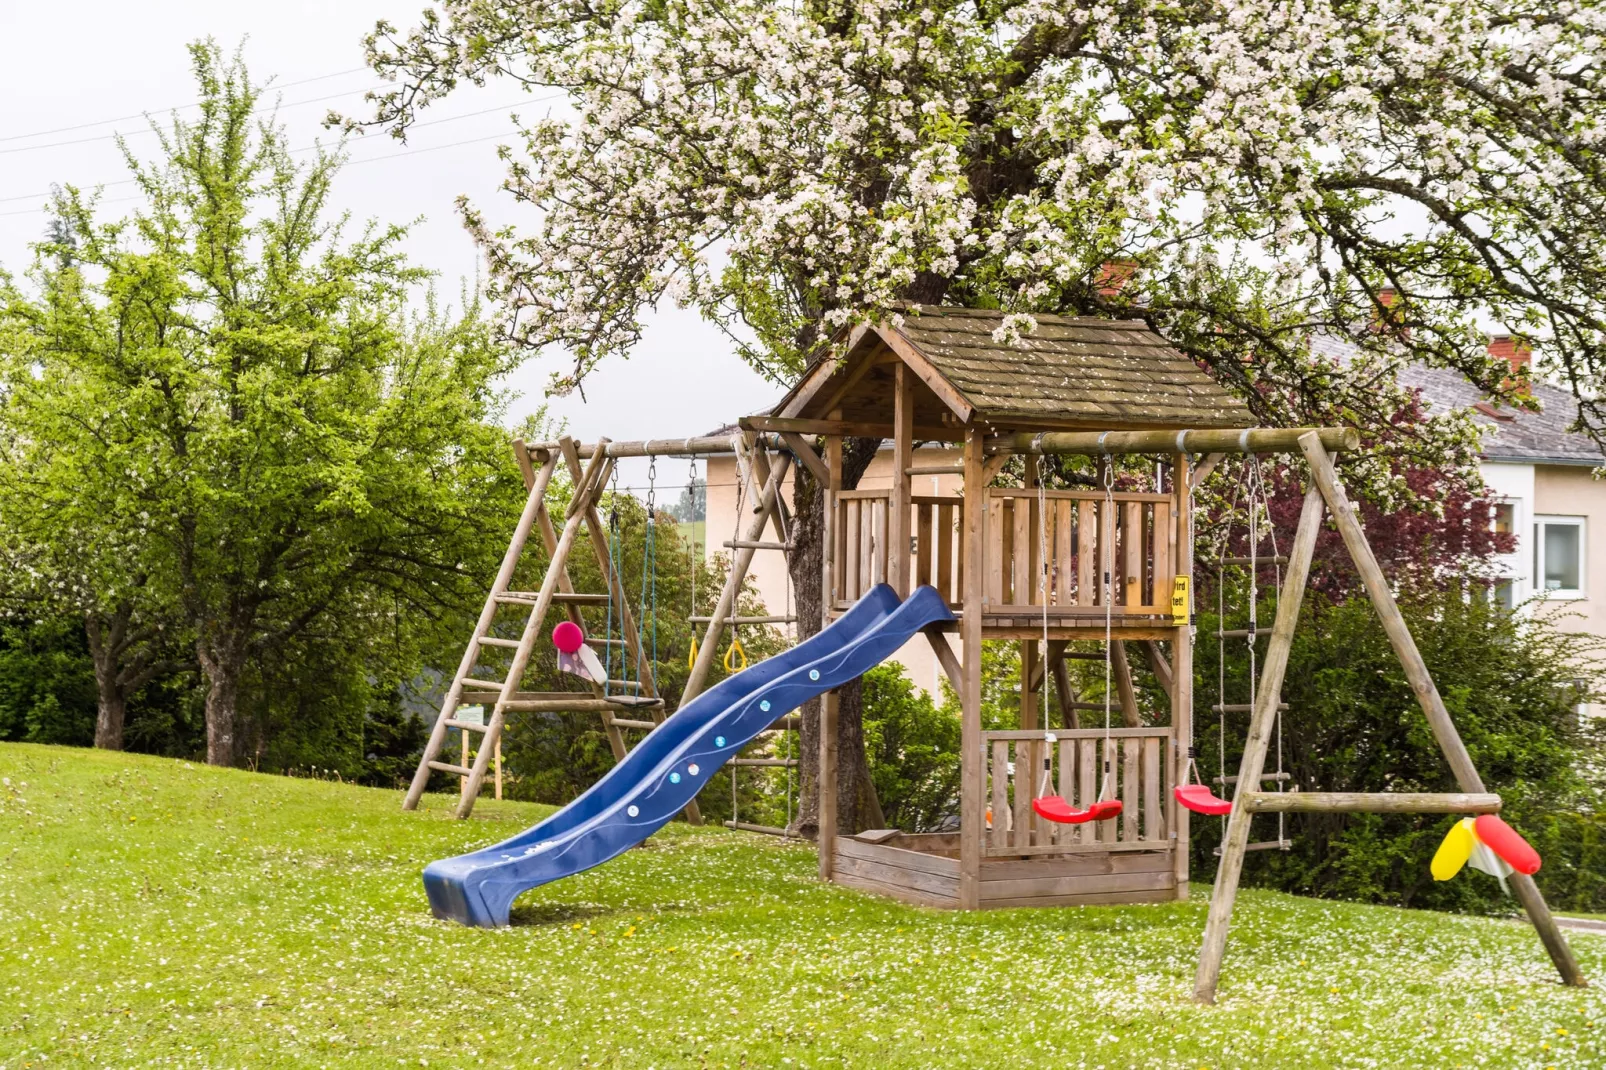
x=72, y=64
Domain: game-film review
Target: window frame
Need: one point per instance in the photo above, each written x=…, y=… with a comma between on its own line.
x=1564, y=594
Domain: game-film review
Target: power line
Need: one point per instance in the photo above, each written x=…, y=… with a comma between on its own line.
x=178, y=107
x=114, y=135
x=310, y=148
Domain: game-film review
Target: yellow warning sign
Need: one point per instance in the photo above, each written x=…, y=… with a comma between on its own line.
x=1179, y=602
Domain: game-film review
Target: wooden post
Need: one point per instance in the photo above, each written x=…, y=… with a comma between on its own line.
x=898, y=503
x=972, y=820
x=1181, y=681
x=498, y=759
x=1427, y=695
x=826, y=837
x=1260, y=727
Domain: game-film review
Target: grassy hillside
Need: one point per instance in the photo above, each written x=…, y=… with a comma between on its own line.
x=158, y=911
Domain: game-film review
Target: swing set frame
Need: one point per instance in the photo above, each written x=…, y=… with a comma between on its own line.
x=1018, y=563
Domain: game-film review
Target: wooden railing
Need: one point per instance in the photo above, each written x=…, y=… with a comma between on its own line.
x=1076, y=528
x=860, y=550
x=1138, y=760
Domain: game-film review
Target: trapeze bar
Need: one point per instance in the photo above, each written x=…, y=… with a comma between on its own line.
x=1102, y=443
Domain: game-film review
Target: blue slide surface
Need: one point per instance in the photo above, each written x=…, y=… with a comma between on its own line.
x=665, y=771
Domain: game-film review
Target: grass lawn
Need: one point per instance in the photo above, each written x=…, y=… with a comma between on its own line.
x=158, y=912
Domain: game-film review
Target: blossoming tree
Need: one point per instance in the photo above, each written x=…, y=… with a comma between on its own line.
x=1259, y=170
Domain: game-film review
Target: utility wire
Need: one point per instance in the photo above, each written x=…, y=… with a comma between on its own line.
x=309, y=148
x=179, y=107
x=114, y=135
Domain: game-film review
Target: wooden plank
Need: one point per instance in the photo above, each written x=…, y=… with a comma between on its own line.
x=883, y=543
x=1267, y=697
x=972, y=775
x=1087, y=790
x=853, y=581
x=1000, y=837
x=907, y=895
x=1105, y=899
x=1021, y=833
x=1076, y=865
x=1373, y=802
x=1132, y=556
x=1153, y=812
x=923, y=548
x=890, y=854
x=896, y=876
x=1131, y=799
x=1064, y=556
x=1087, y=554
x=1044, y=887
x=1092, y=847
x=1427, y=694
x=997, y=551
x=1163, y=534
x=1109, y=785
x=944, y=581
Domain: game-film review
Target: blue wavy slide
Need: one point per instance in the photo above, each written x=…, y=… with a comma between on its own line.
x=664, y=772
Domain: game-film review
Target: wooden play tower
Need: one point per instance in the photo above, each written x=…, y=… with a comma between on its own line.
x=1086, y=571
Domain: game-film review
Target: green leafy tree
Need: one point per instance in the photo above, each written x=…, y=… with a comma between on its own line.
x=221, y=420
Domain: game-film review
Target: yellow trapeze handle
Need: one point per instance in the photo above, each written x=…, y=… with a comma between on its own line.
x=691, y=659
x=1453, y=853
x=735, y=657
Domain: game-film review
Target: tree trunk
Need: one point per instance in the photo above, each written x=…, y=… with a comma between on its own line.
x=223, y=664
x=111, y=707
x=858, y=807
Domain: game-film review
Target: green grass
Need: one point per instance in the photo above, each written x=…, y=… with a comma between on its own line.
x=161, y=912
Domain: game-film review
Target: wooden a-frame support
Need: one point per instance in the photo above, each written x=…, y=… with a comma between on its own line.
x=1326, y=487
x=589, y=479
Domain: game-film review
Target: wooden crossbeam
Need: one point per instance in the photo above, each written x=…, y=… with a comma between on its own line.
x=1374, y=802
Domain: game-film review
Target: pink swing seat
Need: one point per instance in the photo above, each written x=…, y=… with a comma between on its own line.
x=1055, y=808
x=1200, y=800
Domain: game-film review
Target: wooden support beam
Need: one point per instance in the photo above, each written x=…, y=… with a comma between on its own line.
x=899, y=502
x=1254, y=757
x=1122, y=669
x=1372, y=802
x=847, y=428
x=805, y=454
x=830, y=704
x=1062, y=684
x=972, y=821
x=946, y=657
x=1179, y=818
x=1108, y=443
x=1204, y=468
x=1158, y=663
x=1427, y=695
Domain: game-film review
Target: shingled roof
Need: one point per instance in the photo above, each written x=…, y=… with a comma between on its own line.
x=1069, y=372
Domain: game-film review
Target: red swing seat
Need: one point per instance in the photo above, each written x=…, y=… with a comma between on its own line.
x=1200, y=800
x=1055, y=808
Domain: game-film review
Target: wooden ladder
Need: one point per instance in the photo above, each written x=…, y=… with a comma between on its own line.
x=589, y=479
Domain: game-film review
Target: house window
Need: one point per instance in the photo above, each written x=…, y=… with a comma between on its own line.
x=1559, y=556
x=1505, y=518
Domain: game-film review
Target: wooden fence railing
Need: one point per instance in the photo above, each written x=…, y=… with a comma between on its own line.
x=1074, y=527
x=861, y=548
x=1014, y=762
